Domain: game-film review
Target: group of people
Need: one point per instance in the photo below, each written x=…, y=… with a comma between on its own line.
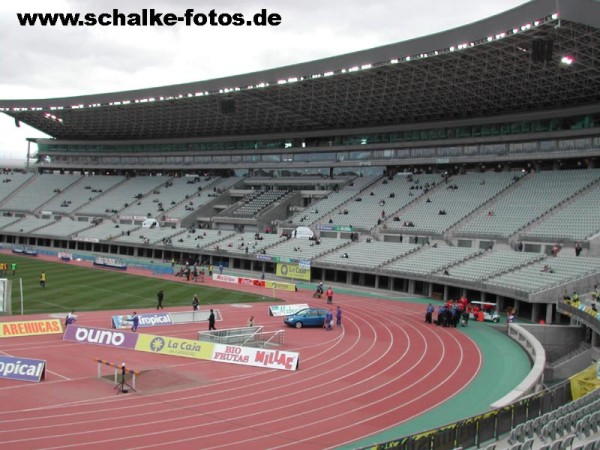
x=4, y=269
x=328, y=324
x=328, y=294
x=450, y=314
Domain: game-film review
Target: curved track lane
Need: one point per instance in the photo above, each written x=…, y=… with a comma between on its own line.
x=384, y=367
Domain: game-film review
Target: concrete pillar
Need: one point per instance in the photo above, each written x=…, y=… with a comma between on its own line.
x=348, y=277
x=535, y=312
x=429, y=290
x=376, y=281
x=445, y=298
x=411, y=286
x=594, y=339
x=549, y=313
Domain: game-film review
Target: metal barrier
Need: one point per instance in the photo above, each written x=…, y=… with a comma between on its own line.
x=477, y=430
x=246, y=336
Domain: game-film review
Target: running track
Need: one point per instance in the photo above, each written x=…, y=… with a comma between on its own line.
x=383, y=368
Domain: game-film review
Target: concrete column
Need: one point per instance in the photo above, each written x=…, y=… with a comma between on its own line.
x=376, y=281
x=550, y=313
x=348, y=278
x=594, y=339
x=411, y=286
x=445, y=298
x=535, y=312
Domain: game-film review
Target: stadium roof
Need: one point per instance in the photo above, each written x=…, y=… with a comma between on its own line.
x=540, y=56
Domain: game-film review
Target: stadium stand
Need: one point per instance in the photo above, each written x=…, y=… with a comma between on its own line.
x=10, y=182
x=367, y=254
x=381, y=200
x=331, y=201
x=450, y=202
x=533, y=278
x=491, y=264
x=64, y=227
x=575, y=221
x=199, y=239
x=27, y=224
x=85, y=190
x=122, y=195
x=247, y=243
x=306, y=249
x=201, y=198
x=535, y=195
x=253, y=204
x=104, y=231
x=37, y=191
x=474, y=144
x=431, y=260
x=171, y=193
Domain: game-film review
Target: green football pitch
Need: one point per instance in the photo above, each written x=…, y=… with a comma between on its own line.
x=71, y=287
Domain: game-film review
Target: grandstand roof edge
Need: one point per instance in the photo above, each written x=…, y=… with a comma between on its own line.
x=575, y=10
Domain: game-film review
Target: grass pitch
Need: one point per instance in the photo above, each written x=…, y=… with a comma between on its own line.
x=70, y=287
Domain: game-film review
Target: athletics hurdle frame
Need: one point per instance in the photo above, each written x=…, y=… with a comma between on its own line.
x=118, y=368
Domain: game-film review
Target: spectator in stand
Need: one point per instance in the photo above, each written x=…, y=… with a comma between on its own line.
x=577, y=249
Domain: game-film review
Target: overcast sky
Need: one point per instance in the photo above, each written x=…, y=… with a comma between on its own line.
x=45, y=62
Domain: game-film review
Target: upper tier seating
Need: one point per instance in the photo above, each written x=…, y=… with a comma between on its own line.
x=9, y=183
x=366, y=254
x=85, y=190
x=38, y=191
x=381, y=201
x=491, y=264
x=305, y=248
x=534, y=195
x=431, y=260
x=331, y=201
x=122, y=196
x=253, y=204
x=247, y=243
x=533, y=278
x=577, y=221
x=450, y=202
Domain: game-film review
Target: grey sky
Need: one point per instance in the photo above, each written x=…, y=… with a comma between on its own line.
x=43, y=62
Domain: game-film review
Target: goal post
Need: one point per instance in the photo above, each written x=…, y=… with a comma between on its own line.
x=5, y=297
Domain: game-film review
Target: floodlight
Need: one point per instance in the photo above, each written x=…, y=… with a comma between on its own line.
x=567, y=60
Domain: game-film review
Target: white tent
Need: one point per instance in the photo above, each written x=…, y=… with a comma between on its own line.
x=150, y=223
x=303, y=233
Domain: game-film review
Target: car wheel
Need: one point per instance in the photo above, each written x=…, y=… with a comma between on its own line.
x=298, y=324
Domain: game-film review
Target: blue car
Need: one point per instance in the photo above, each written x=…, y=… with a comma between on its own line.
x=307, y=317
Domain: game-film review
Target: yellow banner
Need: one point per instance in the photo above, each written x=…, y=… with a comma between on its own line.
x=280, y=285
x=292, y=271
x=30, y=328
x=584, y=382
x=174, y=346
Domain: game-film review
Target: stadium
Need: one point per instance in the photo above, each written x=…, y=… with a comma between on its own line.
x=459, y=164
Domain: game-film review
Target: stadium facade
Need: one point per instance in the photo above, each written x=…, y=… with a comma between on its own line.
x=507, y=108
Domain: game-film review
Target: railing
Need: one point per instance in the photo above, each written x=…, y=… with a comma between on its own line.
x=477, y=430
x=535, y=379
x=582, y=315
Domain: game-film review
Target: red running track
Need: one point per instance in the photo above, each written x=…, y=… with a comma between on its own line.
x=385, y=366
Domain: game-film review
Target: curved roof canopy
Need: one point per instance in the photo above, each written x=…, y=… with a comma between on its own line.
x=531, y=58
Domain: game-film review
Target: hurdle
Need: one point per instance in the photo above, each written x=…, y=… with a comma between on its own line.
x=118, y=368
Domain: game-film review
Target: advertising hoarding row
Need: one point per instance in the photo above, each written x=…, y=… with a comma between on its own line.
x=187, y=348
